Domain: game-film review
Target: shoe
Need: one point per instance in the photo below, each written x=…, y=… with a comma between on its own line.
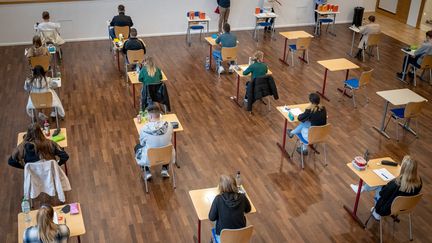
x=164, y=173
x=399, y=75
x=289, y=133
x=147, y=175
x=376, y=216
x=300, y=151
x=221, y=69
x=245, y=101
x=231, y=69
x=355, y=188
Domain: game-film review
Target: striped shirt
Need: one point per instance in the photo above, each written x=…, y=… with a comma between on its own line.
x=31, y=234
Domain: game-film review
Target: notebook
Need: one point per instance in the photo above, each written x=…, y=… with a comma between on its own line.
x=384, y=174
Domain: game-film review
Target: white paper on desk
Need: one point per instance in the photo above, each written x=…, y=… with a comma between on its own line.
x=296, y=111
x=55, y=219
x=384, y=174
x=210, y=197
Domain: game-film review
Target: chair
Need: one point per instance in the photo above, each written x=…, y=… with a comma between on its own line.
x=302, y=44
x=43, y=101
x=124, y=30
x=263, y=87
x=228, y=54
x=194, y=25
x=410, y=111
x=401, y=205
x=426, y=64
x=372, y=42
x=52, y=37
x=327, y=21
x=242, y=235
x=356, y=84
x=43, y=61
x=160, y=156
x=133, y=57
x=262, y=24
x=316, y=135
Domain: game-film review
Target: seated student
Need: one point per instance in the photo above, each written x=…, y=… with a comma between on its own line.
x=40, y=83
x=37, y=49
x=228, y=208
x=425, y=49
x=35, y=147
x=47, y=25
x=268, y=7
x=154, y=134
x=365, y=31
x=150, y=74
x=408, y=183
x=133, y=43
x=45, y=230
x=225, y=40
x=314, y=115
x=120, y=20
x=257, y=69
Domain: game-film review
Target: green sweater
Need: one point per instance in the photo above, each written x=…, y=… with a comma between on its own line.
x=258, y=69
x=145, y=78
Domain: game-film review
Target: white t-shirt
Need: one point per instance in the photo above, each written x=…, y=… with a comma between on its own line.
x=49, y=26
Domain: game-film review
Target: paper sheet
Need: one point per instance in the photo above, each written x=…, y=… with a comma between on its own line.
x=296, y=111
x=384, y=174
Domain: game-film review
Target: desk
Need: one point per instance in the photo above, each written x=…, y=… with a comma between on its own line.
x=168, y=118
x=335, y=65
x=323, y=15
x=211, y=42
x=262, y=17
x=74, y=222
x=62, y=143
x=133, y=78
x=293, y=35
x=239, y=72
x=397, y=97
x=284, y=113
x=369, y=177
x=407, y=55
x=202, y=200
x=355, y=30
x=117, y=46
x=196, y=21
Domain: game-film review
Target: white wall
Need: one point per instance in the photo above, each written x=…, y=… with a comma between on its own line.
x=414, y=12
x=86, y=20
x=370, y=5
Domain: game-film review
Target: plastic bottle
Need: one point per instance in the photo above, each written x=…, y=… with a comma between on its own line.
x=238, y=180
x=290, y=116
x=250, y=61
x=25, y=207
x=47, y=128
x=207, y=63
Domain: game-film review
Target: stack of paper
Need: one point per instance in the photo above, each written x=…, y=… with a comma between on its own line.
x=384, y=174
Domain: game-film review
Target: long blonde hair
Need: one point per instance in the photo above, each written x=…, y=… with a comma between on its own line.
x=47, y=229
x=408, y=180
x=258, y=56
x=151, y=67
x=227, y=183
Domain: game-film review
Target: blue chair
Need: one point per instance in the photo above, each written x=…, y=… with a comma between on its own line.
x=192, y=25
x=327, y=21
x=242, y=235
x=302, y=44
x=262, y=24
x=356, y=84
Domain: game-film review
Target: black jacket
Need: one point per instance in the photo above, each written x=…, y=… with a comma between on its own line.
x=26, y=153
x=388, y=193
x=155, y=93
x=317, y=118
x=133, y=43
x=121, y=20
x=228, y=211
x=224, y=3
x=259, y=88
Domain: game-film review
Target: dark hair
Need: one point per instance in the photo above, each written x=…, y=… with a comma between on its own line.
x=38, y=71
x=371, y=18
x=133, y=32
x=121, y=8
x=314, y=98
x=37, y=42
x=227, y=27
x=429, y=34
x=43, y=146
x=45, y=15
x=154, y=109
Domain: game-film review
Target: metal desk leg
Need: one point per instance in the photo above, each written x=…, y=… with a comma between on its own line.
x=353, y=212
x=133, y=95
x=283, y=59
x=175, y=147
x=352, y=43
x=282, y=147
x=322, y=93
x=236, y=98
x=404, y=71
x=381, y=129
x=211, y=55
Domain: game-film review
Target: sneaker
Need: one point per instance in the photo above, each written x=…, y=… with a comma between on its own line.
x=376, y=216
x=399, y=75
x=300, y=150
x=147, y=175
x=290, y=135
x=53, y=114
x=355, y=188
x=245, y=100
x=221, y=69
x=231, y=69
x=164, y=173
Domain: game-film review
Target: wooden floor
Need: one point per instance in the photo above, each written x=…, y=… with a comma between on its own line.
x=293, y=205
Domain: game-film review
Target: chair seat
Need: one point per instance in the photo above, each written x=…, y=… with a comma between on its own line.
x=302, y=139
x=398, y=113
x=197, y=27
x=326, y=20
x=265, y=24
x=292, y=47
x=352, y=83
x=214, y=235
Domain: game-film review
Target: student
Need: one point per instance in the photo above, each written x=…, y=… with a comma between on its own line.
x=133, y=43
x=408, y=183
x=47, y=25
x=35, y=147
x=40, y=83
x=37, y=49
x=46, y=231
x=257, y=69
x=154, y=134
x=416, y=60
x=120, y=20
x=365, y=31
x=224, y=10
x=228, y=208
x=314, y=115
x=150, y=74
x=268, y=7
x=227, y=39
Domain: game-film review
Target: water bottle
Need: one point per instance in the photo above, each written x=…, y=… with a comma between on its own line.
x=25, y=207
x=290, y=116
x=46, y=128
x=250, y=61
x=238, y=180
x=207, y=63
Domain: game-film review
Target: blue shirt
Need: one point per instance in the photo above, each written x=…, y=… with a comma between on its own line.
x=224, y=3
x=320, y=1
x=227, y=40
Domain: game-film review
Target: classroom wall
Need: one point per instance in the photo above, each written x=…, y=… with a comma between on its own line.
x=86, y=20
x=370, y=5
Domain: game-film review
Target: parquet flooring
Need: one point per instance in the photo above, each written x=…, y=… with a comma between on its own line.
x=293, y=205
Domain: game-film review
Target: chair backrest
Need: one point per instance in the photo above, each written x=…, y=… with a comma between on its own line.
x=404, y=204
x=229, y=53
x=124, y=30
x=242, y=235
x=318, y=134
x=303, y=43
x=373, y=39
x=48, y=36
x=41, y=100
x=426, y=62
x=413, y=109
x=160, y=156
x=365, y=77
x=43, y=61
x=135, y=56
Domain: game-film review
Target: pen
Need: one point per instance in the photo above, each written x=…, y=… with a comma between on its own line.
x=384, y=176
